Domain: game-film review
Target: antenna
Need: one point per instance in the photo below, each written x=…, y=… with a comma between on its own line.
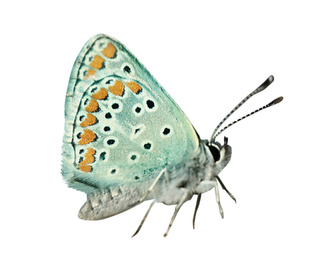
x=274, y=102
x=262, y=87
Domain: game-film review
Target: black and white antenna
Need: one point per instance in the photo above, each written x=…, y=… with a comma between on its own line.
x=263, y=86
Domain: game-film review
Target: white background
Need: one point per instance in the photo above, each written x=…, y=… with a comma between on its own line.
x=208, y=56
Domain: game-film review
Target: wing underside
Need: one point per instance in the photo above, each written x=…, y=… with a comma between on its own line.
x=120, y=125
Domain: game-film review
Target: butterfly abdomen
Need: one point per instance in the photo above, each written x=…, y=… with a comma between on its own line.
x=111, y=201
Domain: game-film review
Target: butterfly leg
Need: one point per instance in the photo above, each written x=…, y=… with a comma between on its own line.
x=218, y=199
x=196, y=208
x=223, y=187
x=144, y=218
x=184, y=198
x=151, y=187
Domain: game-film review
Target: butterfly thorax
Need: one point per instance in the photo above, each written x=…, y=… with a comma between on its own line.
x=195, y=176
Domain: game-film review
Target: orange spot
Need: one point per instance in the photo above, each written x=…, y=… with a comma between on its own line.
x=135, y=87
x=92, y=106
x=97, y=62
x=118, y=88
x=85, y=168
x=88, y=136
x=89, y=158
x=90, y=73
x=90, y=120
x=109, y=51
x=101, y=94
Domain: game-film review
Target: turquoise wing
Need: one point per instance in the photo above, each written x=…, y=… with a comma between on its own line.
x=121, y=126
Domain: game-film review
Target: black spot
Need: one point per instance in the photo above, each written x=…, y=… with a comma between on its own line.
x=150, y=104
x=113, y=171
x=81, y=118
x=147, y=146
x=102, y=156
x=127, y=69
x=110, y=141
x=109, y=81
x=108, y=115
x=80, y=159
x=86, y=101
x=136, y=177
x=81, y=151
x=137, y=130
x=94, y=90
x=107, y=128
x=79, y=135
x=133, y=157
x=115, y=106
x=166, y=131
x=137, y=109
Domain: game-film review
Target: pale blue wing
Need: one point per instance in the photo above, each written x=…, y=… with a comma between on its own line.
x=121, y=126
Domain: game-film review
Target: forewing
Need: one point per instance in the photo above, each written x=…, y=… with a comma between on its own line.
x=121, y=126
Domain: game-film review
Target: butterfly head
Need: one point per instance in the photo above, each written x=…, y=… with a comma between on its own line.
x=221, y=155
x=218, y=154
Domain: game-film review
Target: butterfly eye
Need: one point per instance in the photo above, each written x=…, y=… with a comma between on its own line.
x=215, y=151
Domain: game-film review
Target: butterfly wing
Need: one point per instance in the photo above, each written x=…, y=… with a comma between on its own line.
x=121, y=126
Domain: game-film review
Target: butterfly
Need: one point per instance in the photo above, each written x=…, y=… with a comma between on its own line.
x=127, y=141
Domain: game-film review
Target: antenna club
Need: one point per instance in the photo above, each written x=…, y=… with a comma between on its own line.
x=265, y=84
x=277, y=100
